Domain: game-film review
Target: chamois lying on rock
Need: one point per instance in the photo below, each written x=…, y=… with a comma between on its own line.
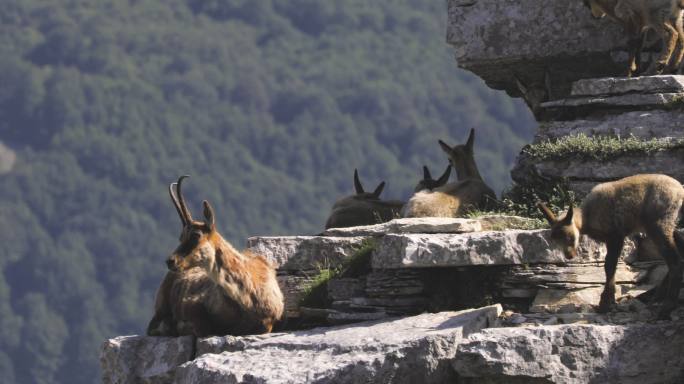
x=211, y=288
x=638, y=17
x=428, y=183
x=614, y=210
x=454, y=199
x=363, y=208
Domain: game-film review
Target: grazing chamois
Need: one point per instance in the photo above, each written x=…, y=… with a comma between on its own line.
x=363, y=208
x=428, y=183
x=614, y=210
x=638, y=17
x=211, y=288
x=454, y=199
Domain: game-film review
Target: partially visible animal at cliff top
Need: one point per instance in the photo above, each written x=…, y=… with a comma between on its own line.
x=638, y=17
x=614, y=210
x=428, y=183
x=363, y=208
x=211, y=288
x=456, y=198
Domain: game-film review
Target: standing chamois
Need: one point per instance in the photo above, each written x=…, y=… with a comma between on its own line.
x=617, y=209
x=638, y=17
x=363, y=208
x=211, y=288
x=454, y=199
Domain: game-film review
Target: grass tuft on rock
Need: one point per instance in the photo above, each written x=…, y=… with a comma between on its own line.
x=598, y=147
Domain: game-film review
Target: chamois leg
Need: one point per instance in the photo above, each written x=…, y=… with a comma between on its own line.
x=668, y=249
x=162, y=323
x=614, y=247
x=676, y=65
x=670, y=37
x=634, y=45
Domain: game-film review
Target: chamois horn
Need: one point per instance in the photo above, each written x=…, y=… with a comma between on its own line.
x=175, y=202
x=185, y=212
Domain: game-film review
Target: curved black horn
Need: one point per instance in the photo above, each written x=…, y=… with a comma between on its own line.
x=174, y=199
x=357, y=183
x=184, y=208
x=426, y=173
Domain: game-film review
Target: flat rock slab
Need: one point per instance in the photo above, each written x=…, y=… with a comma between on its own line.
x=500, y=39
x=480, y=248
x=143, y=359
x=636, y=100
x=410, y=350
x=629, y=354
x=435, y=225
x=622, y=85
x=640, y=124
x=304, y=252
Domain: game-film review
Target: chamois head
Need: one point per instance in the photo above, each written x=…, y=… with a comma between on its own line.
x=361, y=194
x=428, y=183
x=462, y=158
x=597, y=8
x=564, y=231
x=197, y=239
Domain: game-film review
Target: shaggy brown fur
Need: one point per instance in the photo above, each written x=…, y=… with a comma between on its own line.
x=664, y=17
x=454, y=199
x=363, y=208
x=612, y=211
x=211, y=288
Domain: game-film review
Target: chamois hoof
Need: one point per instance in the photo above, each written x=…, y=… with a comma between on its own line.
x=606, y=306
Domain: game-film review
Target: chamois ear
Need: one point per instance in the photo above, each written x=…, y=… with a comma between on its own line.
x=378, y=190
x=567, y=220
x=550, y=216
x=445, y=147
x=208, y=215
x=357, y=183
x=471, y=139
x=426, y=173
x=445, y=177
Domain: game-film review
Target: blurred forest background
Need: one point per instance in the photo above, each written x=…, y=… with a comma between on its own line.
x=269, y=105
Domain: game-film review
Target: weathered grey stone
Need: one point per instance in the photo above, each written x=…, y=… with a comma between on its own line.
x=621, y=85
x=410, y=225
x=435, y=225
x=566, y=301
x=143, y=359
x=593, y=172
x=345, y=288
x=635, y=100
x=480, y=248
x=639, y=354
x=304, y=252
x=409, y=350
x=640, y=124
x=497, y=39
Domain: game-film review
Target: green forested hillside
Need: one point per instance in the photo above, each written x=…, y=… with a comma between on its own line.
x=269, y=105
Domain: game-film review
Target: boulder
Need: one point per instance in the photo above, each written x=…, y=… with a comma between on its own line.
x=480, y=248
x=143, y=359
x=409, y=350
x=626, y=354
x=295, y=253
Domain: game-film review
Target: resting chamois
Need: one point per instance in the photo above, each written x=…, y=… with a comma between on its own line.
x=211, y=288
x=428, y=183
x=664, y=17
x=363, y=208
x=617, y=209
x=454, y=199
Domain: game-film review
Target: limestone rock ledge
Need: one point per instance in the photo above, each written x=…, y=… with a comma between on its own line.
x=405, y=350
x=631, y=354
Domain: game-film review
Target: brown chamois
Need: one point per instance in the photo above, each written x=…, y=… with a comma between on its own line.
x=211, y=288
x=454, y=199
x=363, y=208
x=428, y=183
x=612, y=211
x=638, y=17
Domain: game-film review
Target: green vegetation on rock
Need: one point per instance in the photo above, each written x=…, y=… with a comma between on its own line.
x=598, y=147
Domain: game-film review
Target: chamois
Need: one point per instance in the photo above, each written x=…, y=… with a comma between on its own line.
x=637, y=17
x=363, y=208
x=428, y=183
x=211, y=288
x=646, y=203
x=454, y=199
